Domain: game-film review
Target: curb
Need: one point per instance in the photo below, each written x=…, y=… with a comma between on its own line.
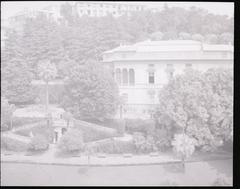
x=90, y=165
x=108, y=164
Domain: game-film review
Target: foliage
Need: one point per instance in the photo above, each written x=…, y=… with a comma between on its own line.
x=11, y=144
x=201, y=104
x=15, y=75
x=143, y=144
x=184, y=35
x=6, y=113
x=47, y=71
x=20, y=121
x=39, y=128
x=38, y=143
x=112, y=146
x=94, y=133
x=156, y=36
x=71, y=141
x=211, y=38
x=197, y=37
x=91, y=92
x=183, y=145
x=72, y=40
x=162, y=138
x=226, y=37
x=139, y=125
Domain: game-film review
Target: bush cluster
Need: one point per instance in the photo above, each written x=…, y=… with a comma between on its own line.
x=144, y=144
x=39, y=143
x=71, y=142
x=91, y=133
x=13, y=144
x=20, y=121
x=111, y=146
x=40, y=128
x=139, y=125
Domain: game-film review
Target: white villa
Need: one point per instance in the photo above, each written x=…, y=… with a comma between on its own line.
x=143, y=68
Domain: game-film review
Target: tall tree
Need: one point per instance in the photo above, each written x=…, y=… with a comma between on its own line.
x=91, y=92
x=15, y=74
x=201, y=105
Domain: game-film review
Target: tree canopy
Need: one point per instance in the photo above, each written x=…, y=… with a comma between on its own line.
x=201, y=105
x=73, y=40
x=90, y=92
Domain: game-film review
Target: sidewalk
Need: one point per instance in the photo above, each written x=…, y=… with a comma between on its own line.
x=108, y=160
x=50, y=157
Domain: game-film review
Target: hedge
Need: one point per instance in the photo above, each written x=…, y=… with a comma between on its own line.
x=111, y=146
x=13, y=144
x=72, y=141
x=140, y=125
x=41, y=128
x=92, y=132
x=20, y=121
x=39, y=143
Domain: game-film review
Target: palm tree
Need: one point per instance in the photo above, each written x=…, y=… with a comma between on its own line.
x=47, y=72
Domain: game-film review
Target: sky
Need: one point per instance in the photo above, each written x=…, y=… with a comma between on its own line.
x=9, y=9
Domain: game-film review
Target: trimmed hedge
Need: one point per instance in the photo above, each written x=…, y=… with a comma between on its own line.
x=20, y=121
x=140, y=125
x=110, y=123
x=72, y=141
x=13, y=144
x=41, y=128
x=111, y=146
x=94, y=132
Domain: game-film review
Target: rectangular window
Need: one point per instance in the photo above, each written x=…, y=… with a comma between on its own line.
x=151, y=77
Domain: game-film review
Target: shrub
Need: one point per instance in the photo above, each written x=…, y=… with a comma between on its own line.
x=38, y=143
x=112, y=146
x=90, y=134
x=143, y=144
x=139, y=125
x=94, y=132
x=162, y=138
x=41, y=128
x=100, y=101
x=72, y=141
x=183, y=145
x=118, y=124
x=13, y=144
x=6, y=113
x=20, y=121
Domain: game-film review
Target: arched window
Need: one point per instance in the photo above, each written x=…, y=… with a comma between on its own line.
x=125, y=76
x=131, y=77
x=118, y=76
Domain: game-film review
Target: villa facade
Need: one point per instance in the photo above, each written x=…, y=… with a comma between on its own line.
x=142, y=69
